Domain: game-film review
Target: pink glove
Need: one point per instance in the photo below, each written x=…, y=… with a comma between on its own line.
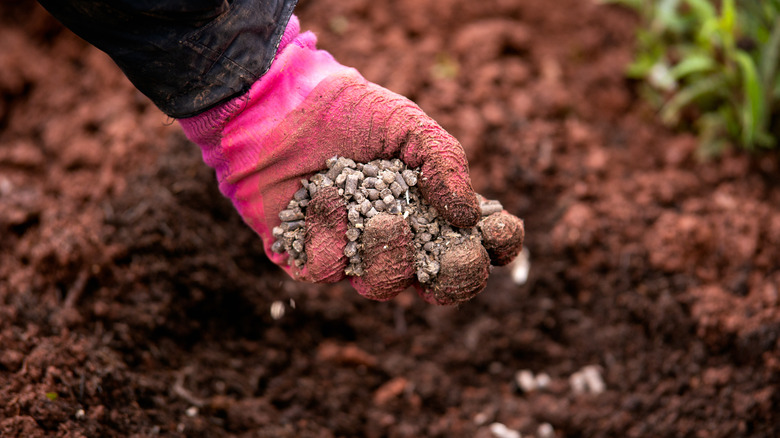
x=304, y=110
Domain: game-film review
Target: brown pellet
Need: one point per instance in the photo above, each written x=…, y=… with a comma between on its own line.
x=370, y=170
x=301, y=194
x=293, y=225
x=365, y=206
x=334, y=171
x=351, y=249
x=388, y=177
x=396, y=189
x=410, y=177
x=400, y=180
x=353, y=215
x=491, y=207
x=291, y=215
x=369, y=183
x=350, y=185
x=353, y=234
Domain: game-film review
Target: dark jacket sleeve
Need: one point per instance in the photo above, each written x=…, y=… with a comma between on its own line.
x=185, y=55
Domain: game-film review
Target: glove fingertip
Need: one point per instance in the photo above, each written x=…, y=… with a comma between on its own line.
x=426, y=293
x=502, y=236
x=372, y=292
x=325, y=237
x=464, y=272
x=388, y=258
x=462, y=211
x=447, y=188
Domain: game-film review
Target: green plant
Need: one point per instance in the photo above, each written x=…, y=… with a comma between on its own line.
x=712, y=65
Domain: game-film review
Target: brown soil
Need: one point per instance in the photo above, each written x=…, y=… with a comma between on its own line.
x=134, y=302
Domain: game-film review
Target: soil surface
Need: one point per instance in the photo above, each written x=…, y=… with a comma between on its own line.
x=134, y=302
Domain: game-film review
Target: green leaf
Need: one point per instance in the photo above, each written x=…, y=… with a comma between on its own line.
x=728, y=17
x=702, y=9
x=640, y=67
x=753, y=104
x=720, y=58
x=52, y=396
x=775, y=95
x=693, y=64
x=634, y=4
x=712, y=135
x=667, y=18
x=708, y=34
x=770, y=55
x=709, y=86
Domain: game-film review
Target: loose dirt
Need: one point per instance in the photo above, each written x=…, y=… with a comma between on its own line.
x=134, y=302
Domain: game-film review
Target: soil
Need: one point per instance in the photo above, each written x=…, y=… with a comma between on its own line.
x=134, y=302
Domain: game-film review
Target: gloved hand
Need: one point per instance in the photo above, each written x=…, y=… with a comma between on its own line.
x=304, y=110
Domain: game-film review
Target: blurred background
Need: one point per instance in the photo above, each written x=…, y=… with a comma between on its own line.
x=134, y=301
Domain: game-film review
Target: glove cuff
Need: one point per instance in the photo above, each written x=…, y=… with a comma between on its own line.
x=290, y=33
x=295, y=72
x=206, y=128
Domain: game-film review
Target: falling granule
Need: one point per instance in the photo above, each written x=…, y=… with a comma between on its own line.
x=587, y=380
x=525, y=381
x=277, y=310
x=543, y=381
x=499, y=430
x=521, y=267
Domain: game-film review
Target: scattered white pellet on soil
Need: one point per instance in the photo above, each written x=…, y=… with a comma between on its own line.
x=577, y=383
x=587, y=380
x=277, y=310
x=481, y=418
x=521, y=267
x=499, y=430
x=543, y=381
x=594, y=380
x=191, y=411
x=80, y=414
x=545, y=430
x=525, y=380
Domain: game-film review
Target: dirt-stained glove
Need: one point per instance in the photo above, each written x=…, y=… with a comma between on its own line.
x=308, y=108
